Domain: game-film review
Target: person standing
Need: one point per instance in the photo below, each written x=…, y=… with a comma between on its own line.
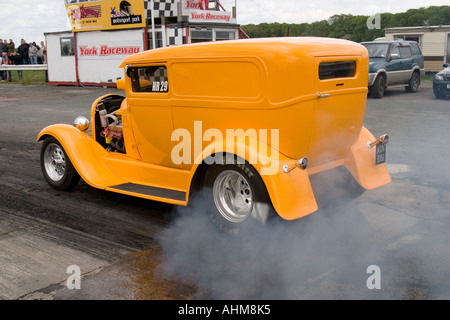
x=4, y=60
x=43, y=53
x=3, y=46
x=11, y=47
x=23, y=51
x=32, y=53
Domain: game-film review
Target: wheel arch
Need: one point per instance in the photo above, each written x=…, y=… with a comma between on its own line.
x=290, y=193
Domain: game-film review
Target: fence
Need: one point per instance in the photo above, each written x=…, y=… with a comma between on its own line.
x=22, y=67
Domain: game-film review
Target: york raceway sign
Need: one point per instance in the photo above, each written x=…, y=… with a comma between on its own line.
x=105, y=50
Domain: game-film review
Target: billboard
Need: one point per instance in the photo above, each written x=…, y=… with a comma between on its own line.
x=105, y=14
x=199, y=11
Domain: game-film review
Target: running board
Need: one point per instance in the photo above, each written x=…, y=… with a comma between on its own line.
x=149, y=191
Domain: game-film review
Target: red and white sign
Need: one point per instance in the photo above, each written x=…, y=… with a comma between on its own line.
x=105, y=50
x=196, y=4
x=198, y=11
x=210, y=16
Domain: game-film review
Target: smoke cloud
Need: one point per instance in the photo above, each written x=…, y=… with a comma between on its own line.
x=279, y=260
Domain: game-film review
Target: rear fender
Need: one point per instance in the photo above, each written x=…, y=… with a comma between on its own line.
x=360, y=161
x=85, y=154
x=290, y=193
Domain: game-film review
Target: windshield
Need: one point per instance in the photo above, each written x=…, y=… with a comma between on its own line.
x=377, y=50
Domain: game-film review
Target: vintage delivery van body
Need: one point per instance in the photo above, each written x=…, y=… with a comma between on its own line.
x=250, y=119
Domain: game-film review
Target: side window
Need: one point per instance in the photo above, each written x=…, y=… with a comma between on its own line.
x=395, y=50
x=405, y=52
x=149, y=79
x=415, y=50
x=337, y=69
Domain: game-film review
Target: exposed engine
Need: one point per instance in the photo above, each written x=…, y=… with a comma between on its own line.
x=108, y=124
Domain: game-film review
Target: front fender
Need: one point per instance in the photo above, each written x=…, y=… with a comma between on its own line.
x=85, y=154
x=291, y=193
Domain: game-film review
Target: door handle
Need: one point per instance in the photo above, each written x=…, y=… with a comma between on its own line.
x=325, y=95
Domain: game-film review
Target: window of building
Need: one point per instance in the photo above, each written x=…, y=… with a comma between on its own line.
x=158, y=39
x=337, y=69
x=203, y=35
x=225, y=35
x=149, y=79
x=409, y=37
x=67, y=48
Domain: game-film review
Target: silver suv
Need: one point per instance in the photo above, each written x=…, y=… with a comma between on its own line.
x=394, y=64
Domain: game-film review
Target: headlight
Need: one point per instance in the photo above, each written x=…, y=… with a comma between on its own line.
x=81, y=123
x=439, y=77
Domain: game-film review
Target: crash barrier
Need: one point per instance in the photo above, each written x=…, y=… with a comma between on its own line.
x=22, y=67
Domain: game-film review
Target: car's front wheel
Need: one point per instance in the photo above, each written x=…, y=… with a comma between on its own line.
x=56, y=166
x=236, y=196
x=438, y=94
x=414, y=83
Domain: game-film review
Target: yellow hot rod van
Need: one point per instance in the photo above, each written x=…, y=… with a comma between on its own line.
x=249, y=121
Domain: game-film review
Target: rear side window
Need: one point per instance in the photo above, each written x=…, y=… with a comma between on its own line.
x=337, y=69
x=405, y=52
x=415, y=50
x=149, y=79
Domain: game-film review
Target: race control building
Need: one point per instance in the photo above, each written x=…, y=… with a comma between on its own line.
x=104, y=32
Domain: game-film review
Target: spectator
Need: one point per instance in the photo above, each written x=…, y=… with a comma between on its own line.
x=43, y=53
x=32, y=53
x=3, y=46
x=5, y=61
x=11, y=47
x=16, y=59
x=23, y=51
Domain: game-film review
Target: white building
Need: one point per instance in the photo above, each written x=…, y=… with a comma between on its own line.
x=104, y=32
x=433, y=40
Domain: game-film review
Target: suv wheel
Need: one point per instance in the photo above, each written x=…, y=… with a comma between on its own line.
x=414, y=83
x=378, y=87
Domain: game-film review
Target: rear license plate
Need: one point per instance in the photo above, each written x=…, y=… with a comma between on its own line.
x=380, y=154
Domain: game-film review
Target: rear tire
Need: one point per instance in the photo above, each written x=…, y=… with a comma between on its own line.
x=379, y=86
x=414, y=83
x=56, y=166
x=236, y=196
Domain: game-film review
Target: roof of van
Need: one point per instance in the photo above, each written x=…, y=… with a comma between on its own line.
x=401, y=42
x=298, y=46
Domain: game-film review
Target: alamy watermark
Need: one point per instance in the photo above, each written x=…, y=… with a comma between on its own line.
x=257, y=146
x=374, y=280
x=374, y=21
x=74, y=280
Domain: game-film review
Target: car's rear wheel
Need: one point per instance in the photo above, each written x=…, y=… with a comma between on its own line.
x=379, y=86
x=56, y=166
x=414, y=83
x=236, y=196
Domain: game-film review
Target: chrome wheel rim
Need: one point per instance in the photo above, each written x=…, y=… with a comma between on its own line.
x=54, y=162
x=233, y=196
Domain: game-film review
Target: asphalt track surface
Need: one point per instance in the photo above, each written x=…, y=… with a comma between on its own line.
x=131, y=249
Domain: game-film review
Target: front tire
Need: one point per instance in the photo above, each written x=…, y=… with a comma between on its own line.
x=438, y=94
x=236, y=195
x=56, y=167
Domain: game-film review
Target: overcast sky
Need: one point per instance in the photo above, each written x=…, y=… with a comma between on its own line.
x=29, y=19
